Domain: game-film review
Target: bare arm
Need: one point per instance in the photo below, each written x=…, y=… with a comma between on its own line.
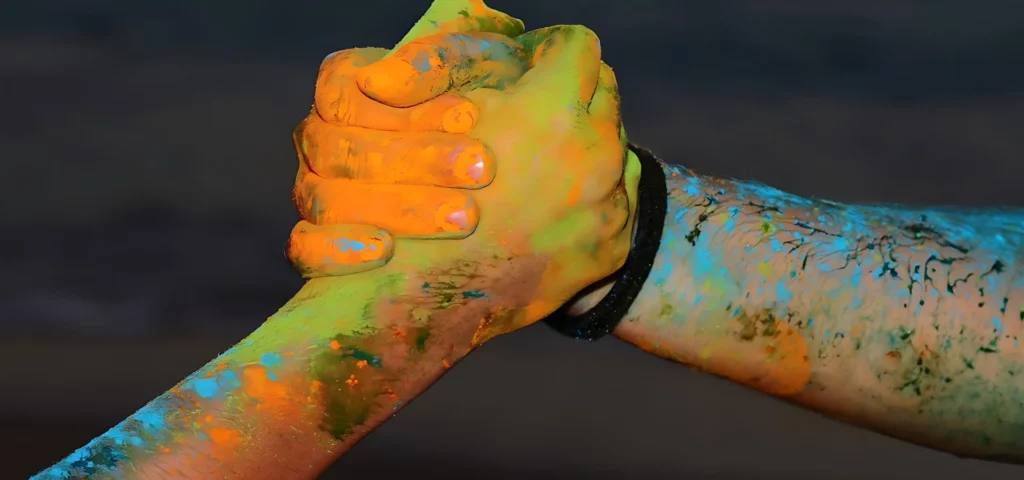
x=903, y=321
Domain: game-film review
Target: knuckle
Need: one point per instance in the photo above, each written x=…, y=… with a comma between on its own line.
x=582, y=32
x=608, y=77
x=302, y=194
x=579, y=34
x=333, y=58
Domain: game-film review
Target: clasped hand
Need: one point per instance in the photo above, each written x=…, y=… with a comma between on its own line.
x=471, y=143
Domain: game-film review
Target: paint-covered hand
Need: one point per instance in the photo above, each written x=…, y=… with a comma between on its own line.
x=373, y=170
x=558, y=215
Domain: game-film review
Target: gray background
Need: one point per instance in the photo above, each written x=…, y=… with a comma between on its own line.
x=145, y=186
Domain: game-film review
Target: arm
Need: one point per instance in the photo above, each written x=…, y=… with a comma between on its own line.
x=902, y=321
x=338, y=360
x=347, y=352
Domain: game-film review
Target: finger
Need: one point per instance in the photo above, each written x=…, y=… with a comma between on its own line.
x=604, y=112
x=339, y=101
x=428, y=158
x=565, y=62
x=604, y=107
x=462, y=16
x=329, y=250
x=426, y=67
x=631, y=180
x=406, y=211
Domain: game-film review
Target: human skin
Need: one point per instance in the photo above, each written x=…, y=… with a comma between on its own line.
x=904, y=321
x=347, y=352
x=901, y=320
x=350, y=122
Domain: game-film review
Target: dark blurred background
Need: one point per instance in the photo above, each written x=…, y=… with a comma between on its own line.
x=146, y=176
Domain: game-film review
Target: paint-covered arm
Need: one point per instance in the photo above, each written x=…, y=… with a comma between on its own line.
x=339, y=359
x=348, y=351
x=905, y=321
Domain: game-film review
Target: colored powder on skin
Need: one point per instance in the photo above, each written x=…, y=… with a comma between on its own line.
x=206, y=387
x=270, y=360
x=997, y=324
x=782, y=295
x=228, y=381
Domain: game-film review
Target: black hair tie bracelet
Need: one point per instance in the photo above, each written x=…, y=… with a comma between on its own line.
x=652, y=203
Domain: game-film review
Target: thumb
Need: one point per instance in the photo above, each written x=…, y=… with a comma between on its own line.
x=457, y=44
x=462, y=16
x=427, y=67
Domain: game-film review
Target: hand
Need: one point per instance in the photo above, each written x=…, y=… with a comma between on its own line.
x=560, y=206
x=355, y=152
x=565, y=195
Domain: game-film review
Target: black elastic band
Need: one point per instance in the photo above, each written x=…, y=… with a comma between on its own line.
x=652, y=203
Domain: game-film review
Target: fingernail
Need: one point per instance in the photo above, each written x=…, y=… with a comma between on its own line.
x=471, y=163
x=457, y=218
x=476, y=170
x=460, y=119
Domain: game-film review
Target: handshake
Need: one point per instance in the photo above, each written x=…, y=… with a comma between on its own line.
x=473, y=145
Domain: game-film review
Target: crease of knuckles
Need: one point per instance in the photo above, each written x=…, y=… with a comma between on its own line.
x=356, y=184
x=427, y=159
x=316, y=247
x=578, y=132
x=600, y=193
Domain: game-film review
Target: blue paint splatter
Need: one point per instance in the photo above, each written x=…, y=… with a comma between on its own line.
x=345, y=245
x=206, y=387
x=270, y=360
x=152, y=419
x=228, y=381
x=782, y=295
x=730, y=224
x=998, y=324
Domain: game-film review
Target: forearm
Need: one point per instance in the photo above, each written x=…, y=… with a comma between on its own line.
x=904, y=322
x=339, y=359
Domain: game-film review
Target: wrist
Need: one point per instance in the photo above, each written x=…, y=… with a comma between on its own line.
x=720, y=292
x=308, y=384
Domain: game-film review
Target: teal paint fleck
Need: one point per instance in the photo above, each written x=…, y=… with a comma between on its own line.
x=270, y=360
x=228, y=381
x=782, y=295
x=997, y=324
x=206, y=387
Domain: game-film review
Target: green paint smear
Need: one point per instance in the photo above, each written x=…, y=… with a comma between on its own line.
x=357, y=354
x=421, y=340
x=323, y=309
x=343, y=411
x=556, y=236
x=339, y=308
